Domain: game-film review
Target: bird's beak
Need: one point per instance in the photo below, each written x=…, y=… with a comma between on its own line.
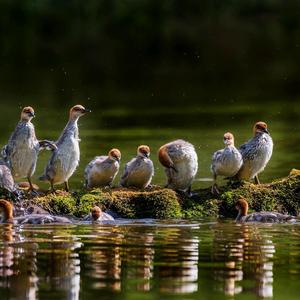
x=147, y=155
x=86, y=110
x=32, y=115
x=118, y=159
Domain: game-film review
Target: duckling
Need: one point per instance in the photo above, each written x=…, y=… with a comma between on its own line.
x=65, y=158
x=264, y=216
x=139, y=171
x=225, y=162
x=181, y=164
x=21, y=151
x=6, y=216
x=102, y=170
x=6, y=179
x=256, y=153
x=98, y=216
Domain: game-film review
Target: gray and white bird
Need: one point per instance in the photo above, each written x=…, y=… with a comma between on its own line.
x=263, y=216
x=6, y=179
x=256, y=153
x=22, y=149
x=225, y=162
x=139, y=171
x=181, y=164
x=102, y=170
x=65, y=158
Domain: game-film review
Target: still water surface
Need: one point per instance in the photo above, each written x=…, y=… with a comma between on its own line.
x=148, y=259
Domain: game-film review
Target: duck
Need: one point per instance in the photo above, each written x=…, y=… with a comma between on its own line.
x=22, y=149
x=65, y=159
x=256, y=153
x=6, y=216
x=225, y=162
x=181, y=164
x=263, y=217
x=139, y=171
x=102, y=170
x=6, y=179
x=98, y=216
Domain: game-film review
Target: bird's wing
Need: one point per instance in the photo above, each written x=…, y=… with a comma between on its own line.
x=131, y=164
x=217, y=155
x=48, y=145
x=247, y=149
x=6, y=179
x=152, y=167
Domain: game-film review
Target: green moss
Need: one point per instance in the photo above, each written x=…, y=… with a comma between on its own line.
x=92, y=198
x=162, y=203
x=193, y=209
x=57, y=204
x=281, y=195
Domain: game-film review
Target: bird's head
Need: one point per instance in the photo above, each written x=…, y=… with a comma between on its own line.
x=115, y=154
x=242, y=208
x=228, y=139
x=96, y=212
x=6, y=211
x=77, y=111
x=143, y=151
x=260, y=127
x=27, y=113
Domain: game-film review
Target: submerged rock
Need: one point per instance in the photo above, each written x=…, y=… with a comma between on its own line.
x=282, y=195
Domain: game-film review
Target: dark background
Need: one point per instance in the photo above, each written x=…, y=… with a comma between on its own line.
x=149, y=52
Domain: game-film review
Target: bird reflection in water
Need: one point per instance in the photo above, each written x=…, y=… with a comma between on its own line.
x=179, y=254
x=141, y=256
x=101, y=261
x=59, y=266
x=17, y=265
x=247, y=254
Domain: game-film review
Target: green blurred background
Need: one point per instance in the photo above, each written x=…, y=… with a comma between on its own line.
x=153, y=71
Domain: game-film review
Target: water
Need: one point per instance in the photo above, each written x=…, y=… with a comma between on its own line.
x=149, y=259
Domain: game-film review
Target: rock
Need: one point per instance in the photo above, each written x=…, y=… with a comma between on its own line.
x=282, y=195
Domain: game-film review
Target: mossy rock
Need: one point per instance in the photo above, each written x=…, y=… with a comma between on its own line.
x=61, y=204
x=160, y=204
x=281, y=195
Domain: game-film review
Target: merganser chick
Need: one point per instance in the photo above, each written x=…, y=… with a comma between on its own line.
x=264, y=216
x=6, y=216
x=139, y=171
x=181, y=164
x=6, y=179
x=65, y=158
x=102, y=170
x=256, y=153
x=98, y=216
x=21, y=151
x=225, y=162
